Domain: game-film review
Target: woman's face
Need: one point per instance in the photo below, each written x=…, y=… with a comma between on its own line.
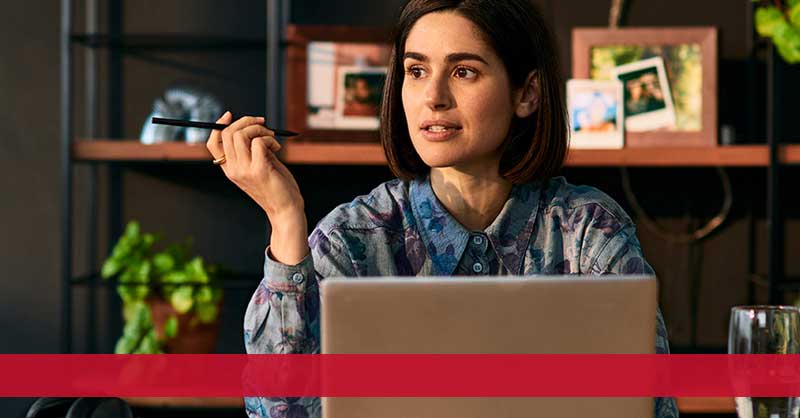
x=456, y=93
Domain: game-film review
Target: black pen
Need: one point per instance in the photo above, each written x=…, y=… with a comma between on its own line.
x=209, y=125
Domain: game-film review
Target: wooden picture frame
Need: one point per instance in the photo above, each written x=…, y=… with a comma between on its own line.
x=697, y=127
x=298, y=38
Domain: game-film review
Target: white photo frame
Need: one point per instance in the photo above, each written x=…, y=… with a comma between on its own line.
x=647, y=97
x=363, y=113
x=596, y=118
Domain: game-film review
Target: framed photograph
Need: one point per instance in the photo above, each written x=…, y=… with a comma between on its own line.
x=688, y=57
x=335, y=80
x=358, y=97
x=647, y=96
x=595, y=114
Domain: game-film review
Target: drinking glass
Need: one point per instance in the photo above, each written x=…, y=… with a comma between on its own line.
x=765, y=330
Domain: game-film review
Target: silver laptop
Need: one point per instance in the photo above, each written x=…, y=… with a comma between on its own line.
x=489, y=315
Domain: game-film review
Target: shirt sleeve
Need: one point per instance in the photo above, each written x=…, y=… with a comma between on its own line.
x=282, y=316
x=622, y=254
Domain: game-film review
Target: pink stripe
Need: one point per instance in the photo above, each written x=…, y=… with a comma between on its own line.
x=463, y=375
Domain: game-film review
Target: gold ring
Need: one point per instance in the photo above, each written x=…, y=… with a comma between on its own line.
x=219, y=161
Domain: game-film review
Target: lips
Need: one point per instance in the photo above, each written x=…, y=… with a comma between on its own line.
x=439, y=125
x=439, y=130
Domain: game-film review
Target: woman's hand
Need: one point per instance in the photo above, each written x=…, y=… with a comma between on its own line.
x=250, y=163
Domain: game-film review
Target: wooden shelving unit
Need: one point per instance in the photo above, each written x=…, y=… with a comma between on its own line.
x=367, y=153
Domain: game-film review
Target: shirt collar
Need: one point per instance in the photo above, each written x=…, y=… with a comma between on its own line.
x=510, y=232
x=445, y=238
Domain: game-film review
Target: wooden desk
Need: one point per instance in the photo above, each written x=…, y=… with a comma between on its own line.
x=685, y=405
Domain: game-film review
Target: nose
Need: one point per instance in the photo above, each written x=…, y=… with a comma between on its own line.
x=437, y=94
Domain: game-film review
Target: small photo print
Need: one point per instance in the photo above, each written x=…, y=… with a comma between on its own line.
x=332, y=101
x=648, y=102
x=359, y=93
x=595, y=113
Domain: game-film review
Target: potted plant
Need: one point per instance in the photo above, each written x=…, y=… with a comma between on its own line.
x=169, y=301
x=780, y=21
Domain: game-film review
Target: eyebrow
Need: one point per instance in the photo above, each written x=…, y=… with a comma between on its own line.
x=450, y=58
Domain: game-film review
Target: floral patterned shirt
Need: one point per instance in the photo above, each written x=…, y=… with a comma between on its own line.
x=401, y=229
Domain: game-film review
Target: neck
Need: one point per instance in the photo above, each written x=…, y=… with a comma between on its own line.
x=474, y=198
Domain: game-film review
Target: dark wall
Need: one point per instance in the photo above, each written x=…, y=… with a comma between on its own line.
x=195, y=200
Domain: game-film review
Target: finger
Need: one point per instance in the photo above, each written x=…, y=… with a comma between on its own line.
x=214, y=143
x=244, y=122
x=270, y=142
x=255, y=131
x=259, y=153
x=230, y=131
x=227, y=143
x=263, y=154
x=242, y=141
x=264, y=146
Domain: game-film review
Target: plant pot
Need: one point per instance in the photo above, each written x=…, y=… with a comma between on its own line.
x=194, y=337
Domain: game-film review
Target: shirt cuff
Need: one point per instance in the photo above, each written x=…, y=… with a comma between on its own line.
x=286, y=278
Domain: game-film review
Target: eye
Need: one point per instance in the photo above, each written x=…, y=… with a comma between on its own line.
x=415, y=72
x=464, y=72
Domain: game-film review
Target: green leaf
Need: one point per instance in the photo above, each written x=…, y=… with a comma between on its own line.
x=163, y=262
x=767, y=19
x=133, y=293
x=792, y=3
x=181, y=299
x=143, y=273
x=149, y=344
x=204, y=295
x=171, y=327
x=148, y=240
x=122, y=249
x=175, y=277
x=130, y=310
x=125, y=345
x=111, y=267
x=128, y=275
x=787, y=41
x=794, y=14
x=138, y=324
x=206, y=312
x=196, y=271
x=132, y=230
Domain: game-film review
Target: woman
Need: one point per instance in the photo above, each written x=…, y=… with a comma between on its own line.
x=473, y=123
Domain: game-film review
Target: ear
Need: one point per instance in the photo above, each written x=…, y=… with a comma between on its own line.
x=527, y=96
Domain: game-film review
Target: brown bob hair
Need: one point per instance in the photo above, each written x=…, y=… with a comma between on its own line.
x=536, y=146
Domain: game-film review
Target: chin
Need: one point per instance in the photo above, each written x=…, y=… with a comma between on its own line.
x=438, y=155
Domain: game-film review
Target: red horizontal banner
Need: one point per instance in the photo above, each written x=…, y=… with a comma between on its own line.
x=380, y=375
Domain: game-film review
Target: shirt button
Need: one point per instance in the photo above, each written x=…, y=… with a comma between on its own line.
x=477, y=267
x=298, y=278
x=477, y=240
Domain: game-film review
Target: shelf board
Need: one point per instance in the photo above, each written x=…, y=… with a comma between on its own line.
x=167, y=41
x=725, y=156
x=706, y=405
x=227, y=281
x=370, y=153
x=133, y=150
x=333, y=153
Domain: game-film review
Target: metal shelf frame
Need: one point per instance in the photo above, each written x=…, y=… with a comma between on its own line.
x=117, y=44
